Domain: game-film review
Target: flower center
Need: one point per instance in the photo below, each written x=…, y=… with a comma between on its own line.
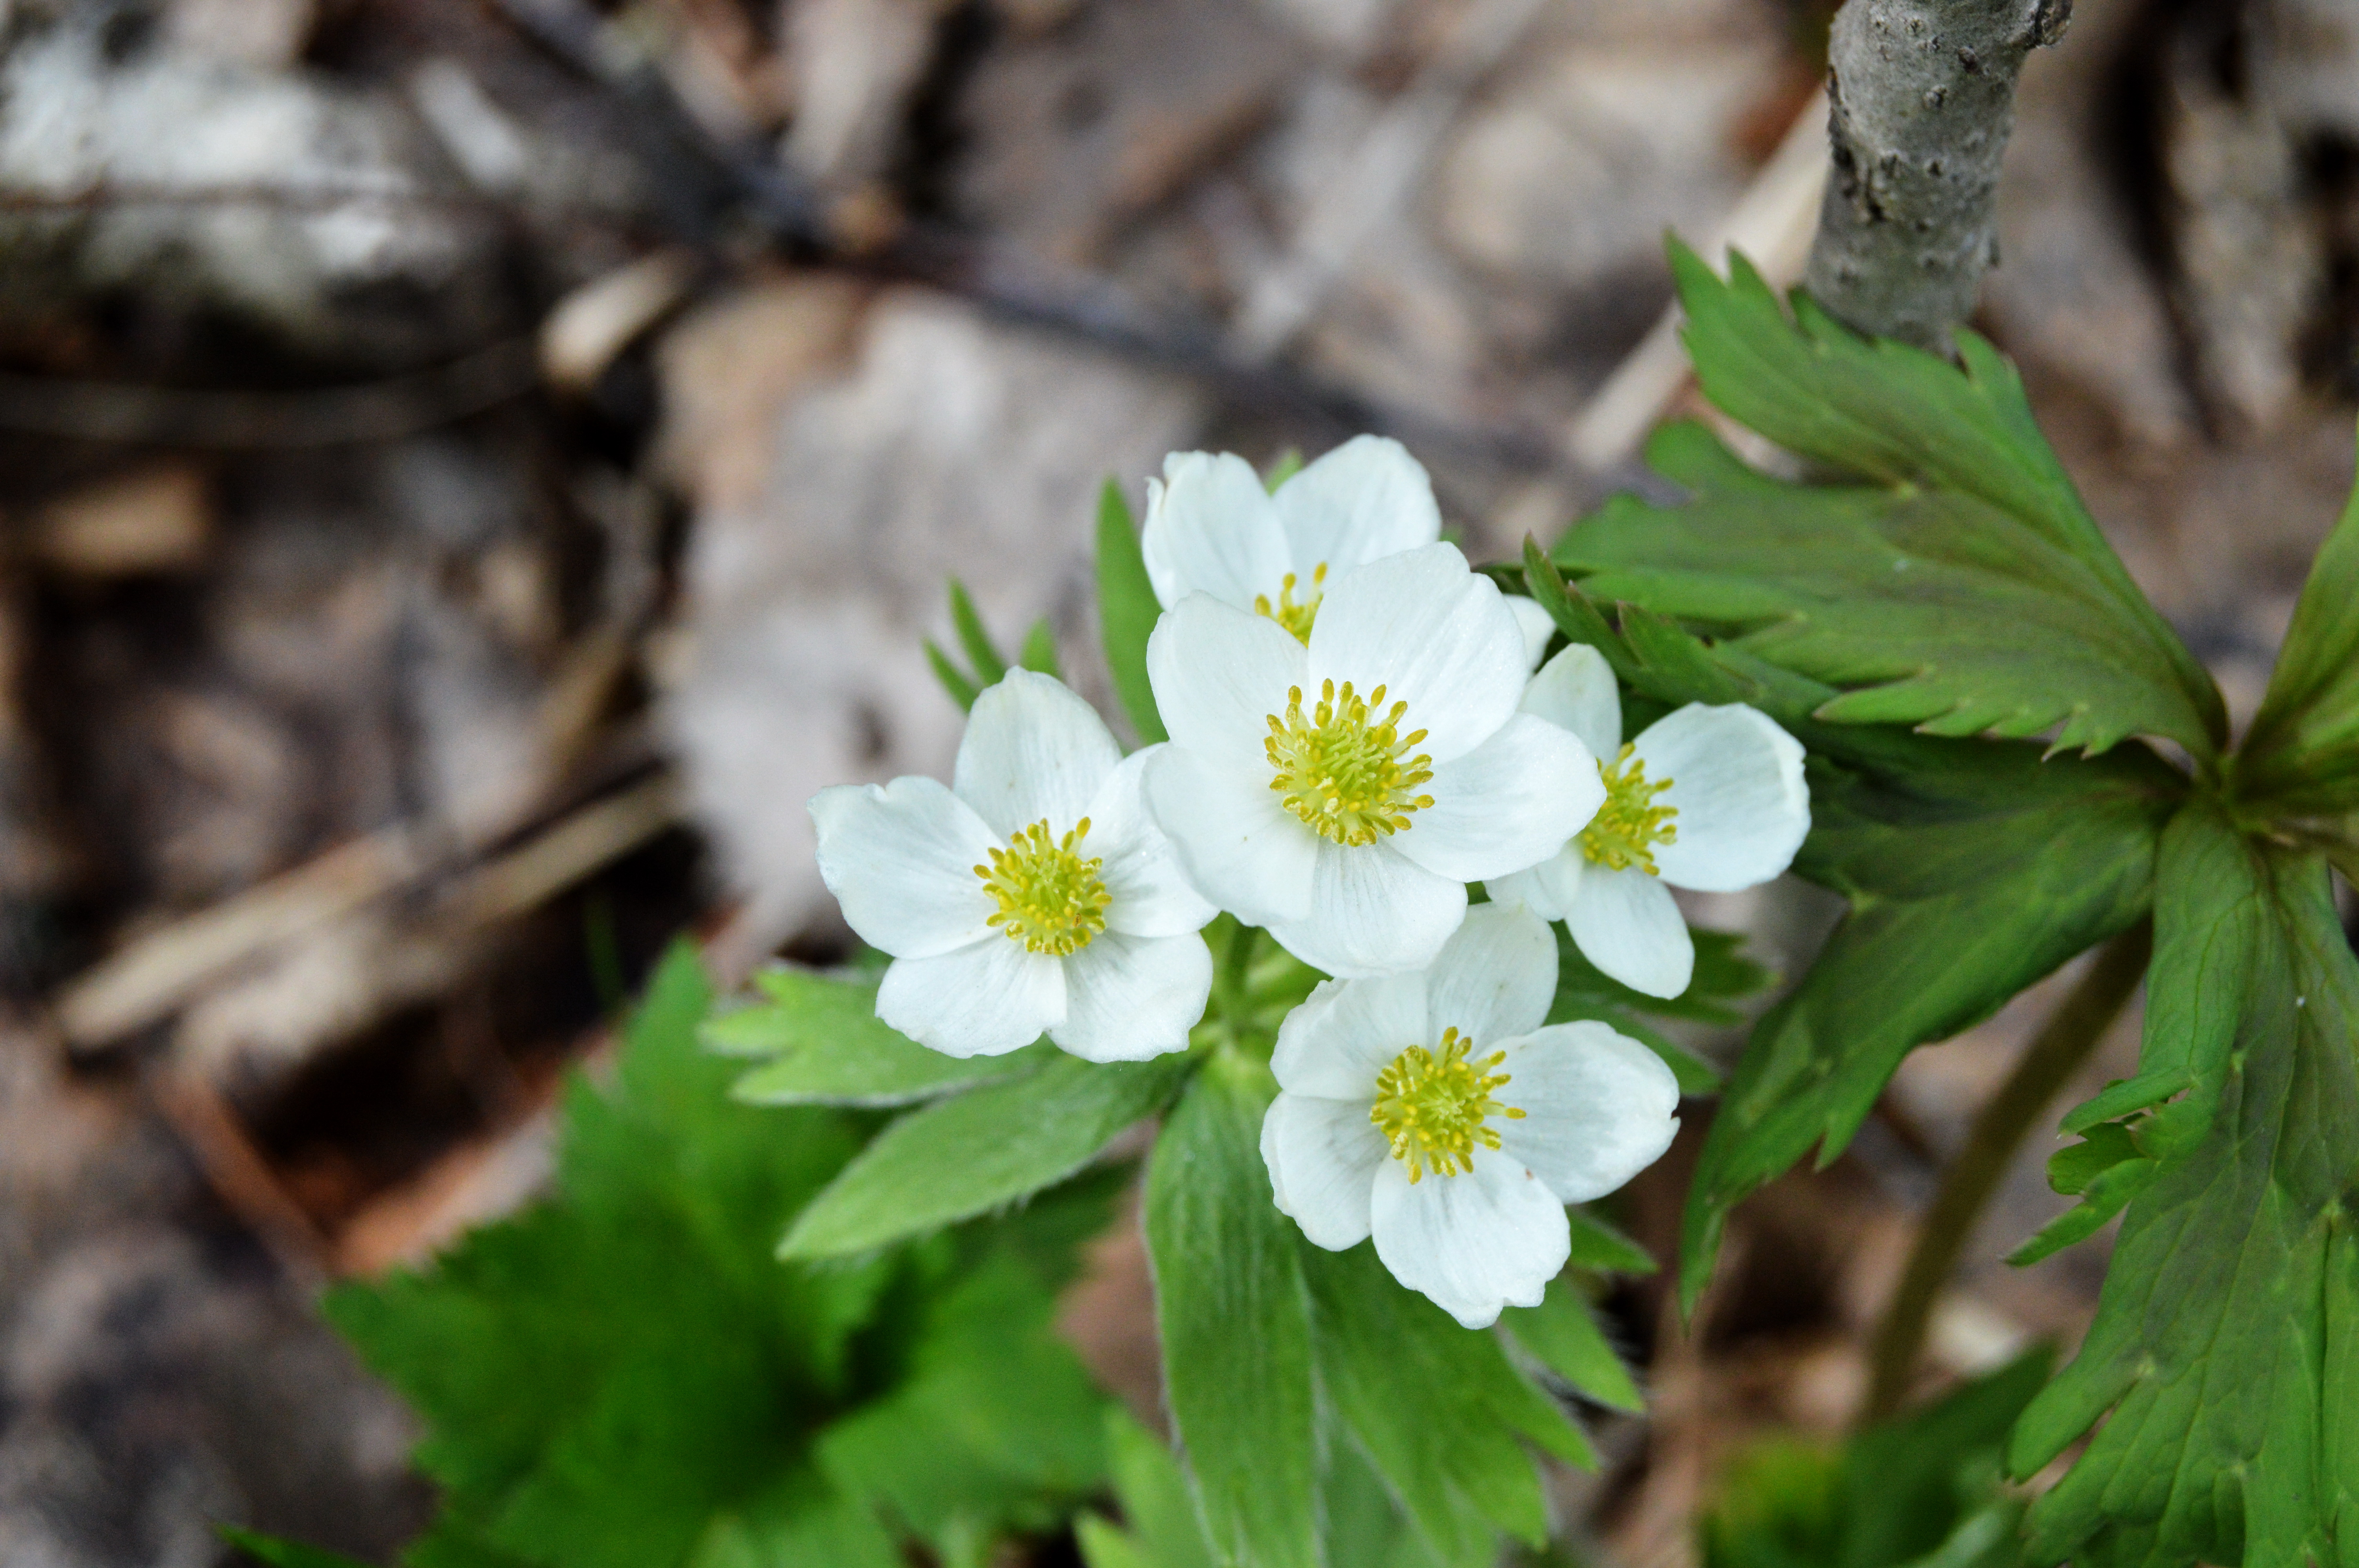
x=1295, y=618
x=1629, y=825
x=1433, y=1108
x=1344, y=770
x=1050, y=899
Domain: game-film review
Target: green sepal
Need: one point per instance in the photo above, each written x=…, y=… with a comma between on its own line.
x=974, y=1153
x=1127, y=611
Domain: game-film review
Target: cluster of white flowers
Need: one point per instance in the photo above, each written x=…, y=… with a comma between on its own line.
x=1356, y=735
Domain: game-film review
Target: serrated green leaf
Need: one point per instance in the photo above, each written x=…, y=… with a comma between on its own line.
x=2071, y=1169
x=1909, y=421
x=1563, y=1331
x=1040, y=655
x=995, y=1424
x=2301, y=756
x=1926, y=606
x=1127, y=610
x=1236, y=1321
x=957, y=1158
x=282, y=1554
x=828, y=1047
x=2108, y=1192
x=622, y=1378
x=2224, y=1357
x=1973, y=869
x=954, y=681
x=1436, y=1407
x=982, y=655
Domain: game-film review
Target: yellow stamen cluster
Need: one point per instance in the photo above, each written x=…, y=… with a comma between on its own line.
x=1050, y=899
x=1295, y=618
x=1344, y=770
x=1629, y=825
x=1434, y=1108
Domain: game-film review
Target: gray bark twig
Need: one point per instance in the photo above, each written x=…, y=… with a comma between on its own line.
x=1921, y=98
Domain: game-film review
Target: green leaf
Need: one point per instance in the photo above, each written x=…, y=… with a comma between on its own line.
x=1722, y=975
x=623, y=1378
x=1973, y=869
x=961, y=1157
x=2069, y=1171
x=982, y=654
x=963, y=690
x=994, y=1422
x=2224, y=1357
x=1919, y=1492
x=1437, y=1409
x=1563, y=1331
x=2301, y=756
x=1597, y=1245
x=828, y=1047
x=1040, y=655
x=1153, y=1492
x=1912, y=424
x=1127, y=610
x=282, y=1554
x=1927, y=607
x=1236, y=1321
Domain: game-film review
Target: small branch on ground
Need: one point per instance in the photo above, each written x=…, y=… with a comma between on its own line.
x=1922, y=101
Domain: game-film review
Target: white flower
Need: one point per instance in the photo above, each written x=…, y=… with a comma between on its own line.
x=1341, y=794
x=1432, y=1111
x=1034, y=894
x=1708, y=798
x=1212, y=528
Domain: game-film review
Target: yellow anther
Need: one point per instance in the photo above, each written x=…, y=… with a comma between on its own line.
x=1344, y=768
x=1433, y=1108
x=1296, y=618
x=1050, y=899
x=1629, y=825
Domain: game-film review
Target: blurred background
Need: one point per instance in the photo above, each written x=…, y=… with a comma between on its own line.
x=471, y=469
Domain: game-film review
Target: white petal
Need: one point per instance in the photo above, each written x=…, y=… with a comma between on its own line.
x=1737, y=779
x=1510, y=803
x=1536, y=625
x=1219, y=674
x=1129, y=998
x=1367, y=498
x=1626, y=924
x=1238, y=845
x=1433, y=634
x=1576, y=691
x=1033, y=751
x=1371, y=912
x=1151, y=895
x=1335, y=1044
x=900, y=858
x=1496, y=976
x=1490, y=1238
x=1330, y=1152
x=1269, y=1159
x=1548, y=888
x=1212, y=528
x=981, y=1000
x=1598, y=1107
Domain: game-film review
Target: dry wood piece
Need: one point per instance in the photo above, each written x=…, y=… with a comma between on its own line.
x=1922, y=94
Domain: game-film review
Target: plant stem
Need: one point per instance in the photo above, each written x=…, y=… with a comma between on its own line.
x=1232, y=968
x=2062, y=1043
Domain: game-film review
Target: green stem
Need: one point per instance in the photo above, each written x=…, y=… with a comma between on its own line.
x=2062, y=1043
x=1232, y=970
